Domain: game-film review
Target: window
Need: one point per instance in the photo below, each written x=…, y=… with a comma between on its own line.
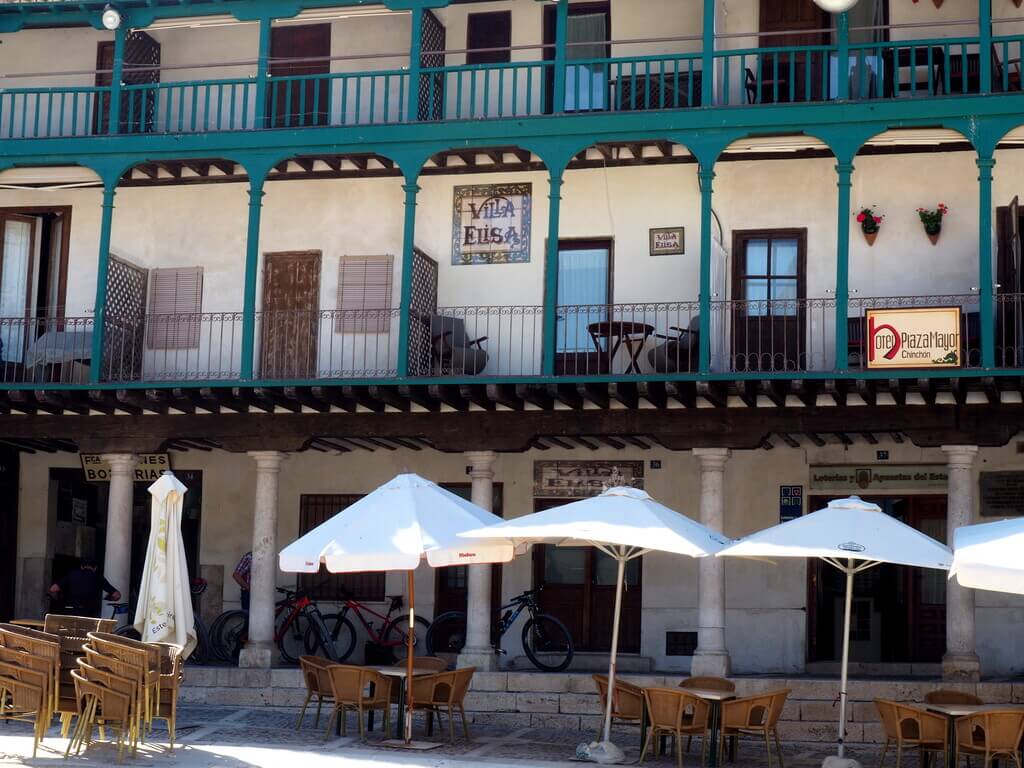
x=364, y=294
x=175, y=304
x=317, y=508
x=771, y=276
x=489, y=38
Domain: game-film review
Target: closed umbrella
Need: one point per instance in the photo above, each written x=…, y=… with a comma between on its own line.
x=394, y=528
x=851, y=535
x=988, y=556
x=624, y=523
x=164, y=609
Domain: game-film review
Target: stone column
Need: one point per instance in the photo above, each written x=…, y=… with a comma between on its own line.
x=259, y=650
x=117, y=558
x=711, y=656
x=478, y=652
x=960, y=661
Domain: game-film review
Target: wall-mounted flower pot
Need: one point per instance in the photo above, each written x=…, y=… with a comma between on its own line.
x=1017, y=2
x=871, y=236
x=938, y=3
x=934, y=236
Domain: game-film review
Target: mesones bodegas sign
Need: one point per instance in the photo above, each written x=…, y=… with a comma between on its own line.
x=925, y=337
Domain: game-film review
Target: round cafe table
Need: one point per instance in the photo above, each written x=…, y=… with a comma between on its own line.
x=618, y=332
x=952, y=712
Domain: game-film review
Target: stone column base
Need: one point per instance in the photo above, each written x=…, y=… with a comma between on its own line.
x=485, y=660
x=962, y=667
x=256, y=657
x=710, y=663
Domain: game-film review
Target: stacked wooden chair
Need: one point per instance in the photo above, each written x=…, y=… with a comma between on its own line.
x=140, y=662
x=29, y=678
x=72, y=633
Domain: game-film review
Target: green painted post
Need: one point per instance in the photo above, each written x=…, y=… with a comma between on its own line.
x=252, y=267
x=549, y=325
x=707, y=82
x=116, y=76
x=844, y=171
x=262, y=74
x=985, y=44
x=843, y=54
x=706, y=174
x=985, y=280
x=408, y=245
x=415, y=63
x=561, y=35
x=102, y=267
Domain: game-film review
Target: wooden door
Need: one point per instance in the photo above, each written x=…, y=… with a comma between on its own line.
x=141, y=66
x=785, y=23
x=296, y=51
x=578, y=587
x=769, y=321
x=927, y=598
x=1009, y=309
x=290, y=315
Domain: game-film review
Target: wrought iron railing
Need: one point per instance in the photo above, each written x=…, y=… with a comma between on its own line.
x=45, y=350
x=773, y=335
x=479, y=341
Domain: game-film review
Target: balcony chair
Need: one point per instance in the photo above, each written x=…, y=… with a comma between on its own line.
x=627, y=700
x=972, y=84
x=677, y=353
x=910, y=726
x=927, y=67
x=856, y=352
x=452, y=350
x=755, y=716
x=991, y=735
x=674, y=712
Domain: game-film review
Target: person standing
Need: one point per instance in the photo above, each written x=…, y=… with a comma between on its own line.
x=80, y=591
x=242, y=573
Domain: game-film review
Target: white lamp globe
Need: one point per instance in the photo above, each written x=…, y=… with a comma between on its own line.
x=111, y=17
x=835, y=6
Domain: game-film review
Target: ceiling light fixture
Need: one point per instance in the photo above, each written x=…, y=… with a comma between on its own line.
x=111, y=18
x=835, y=6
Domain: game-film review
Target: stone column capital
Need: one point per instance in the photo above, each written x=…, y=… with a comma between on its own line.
x=712, y=459
x=481, y=463
x=120, y=463
x=960, y=456
x=267, y=461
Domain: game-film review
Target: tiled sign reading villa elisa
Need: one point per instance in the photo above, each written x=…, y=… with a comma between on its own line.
x=491, y=224
x=925, y=337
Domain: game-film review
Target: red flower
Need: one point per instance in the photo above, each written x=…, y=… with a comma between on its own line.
x=861, y=217
x=878, y=219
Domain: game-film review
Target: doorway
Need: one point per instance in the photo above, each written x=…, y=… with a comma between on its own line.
x=795, y=76
x=898, y=612
x=769, y=321
x=291, y=315
x=578, y=587
x=588, y=37
x=584, y=293
x=1009, y=282
x=10, y=462
x=296, y=51
x=141, y=67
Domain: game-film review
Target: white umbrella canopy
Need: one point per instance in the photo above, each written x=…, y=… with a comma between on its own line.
x=394, y=528
x=164, y=609
x=624, y=523
x=988, y=556
x=851, y=535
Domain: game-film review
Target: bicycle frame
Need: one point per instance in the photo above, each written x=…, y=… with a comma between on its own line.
x=297, y=607
x=507, y=620
x=377, y=637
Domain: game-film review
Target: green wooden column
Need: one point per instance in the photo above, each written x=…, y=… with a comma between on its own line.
x=844, y=182
x=408, y=244
x=116, y=76
x=102, y=268
x=262, y=74
x=706, y=174
x=415, y=63
x=252, y=269
x=549, y=325
x=843, y=51
x=986, y=287
x=985, y=43
x=707, y=83
x=561, y=35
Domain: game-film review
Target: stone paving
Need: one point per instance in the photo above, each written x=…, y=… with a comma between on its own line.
x=233, y=737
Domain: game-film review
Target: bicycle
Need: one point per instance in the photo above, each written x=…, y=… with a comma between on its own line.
x=393, y=632
x=297, y=621
x=546, y=640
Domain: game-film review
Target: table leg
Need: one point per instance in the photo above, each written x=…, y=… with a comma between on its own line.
x=401, y=708
x=714, y=710
x=643, y=724
x=369, y=717
x=951, y=742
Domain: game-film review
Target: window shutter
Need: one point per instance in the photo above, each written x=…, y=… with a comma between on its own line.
x=364, y=294
x=175, y=304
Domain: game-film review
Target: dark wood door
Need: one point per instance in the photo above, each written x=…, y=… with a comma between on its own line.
x=290, y=315
x=578, y=587
x=927, y=598
x=769, y=320
x=9, y=463
x=141, y=66
x=785, y=23
x=1009, y=309
x=296, y=51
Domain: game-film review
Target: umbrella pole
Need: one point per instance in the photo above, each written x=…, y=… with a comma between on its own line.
x=615, y=648
x=410, y=649
x=846, y=654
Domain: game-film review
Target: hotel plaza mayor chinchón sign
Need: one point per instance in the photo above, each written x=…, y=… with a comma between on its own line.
x=491, y=224
x=922, y=337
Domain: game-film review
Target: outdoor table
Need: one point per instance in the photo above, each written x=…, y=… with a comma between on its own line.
x=952, y=712
x=714, y=700
x=617, y=332
x=400, y=674
x=31, y=623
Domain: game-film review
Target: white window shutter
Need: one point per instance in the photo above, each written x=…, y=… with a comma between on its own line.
x=175, y=307
x=364, y=294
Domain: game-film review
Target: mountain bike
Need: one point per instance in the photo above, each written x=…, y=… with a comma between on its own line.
x=297, y=620
x=393, y=632
x=546, y=640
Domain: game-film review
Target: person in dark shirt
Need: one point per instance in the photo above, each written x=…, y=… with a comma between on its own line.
x=80, y=590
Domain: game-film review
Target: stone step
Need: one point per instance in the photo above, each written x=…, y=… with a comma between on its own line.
x=592, y=662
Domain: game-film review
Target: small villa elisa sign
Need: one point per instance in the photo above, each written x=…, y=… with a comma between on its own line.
x=491, y=224
x=924, y=337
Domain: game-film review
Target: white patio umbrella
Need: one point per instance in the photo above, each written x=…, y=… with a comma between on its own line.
x=624, y=523
x=988, y=556
x=394, y=528
x=851, y=535
x=164, y=609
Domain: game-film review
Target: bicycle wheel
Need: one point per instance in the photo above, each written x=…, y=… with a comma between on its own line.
x=397, y=631
x=228, y=634
x=201, y=653
x=128, y=631
x=343, y=635
x=447, y=635
x=291, y=640
x=547, y=643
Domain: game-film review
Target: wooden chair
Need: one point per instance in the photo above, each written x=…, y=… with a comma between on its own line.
x=25, y=697
x=145, y=656
x=627, y=700
x=101, y=704
x=910, y=726
x=127, y=671
x=992, y=734
x=444, y=691
x=318, y=684
x=43, y=666
x=946, y=696
x=709, y=683
x=44, y=650
x=755, y=716
x=171, y=677
x=72, y=632
x=674, y=712
x=350, y=689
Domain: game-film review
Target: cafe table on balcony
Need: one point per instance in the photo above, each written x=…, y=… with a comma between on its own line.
x=618, y=332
